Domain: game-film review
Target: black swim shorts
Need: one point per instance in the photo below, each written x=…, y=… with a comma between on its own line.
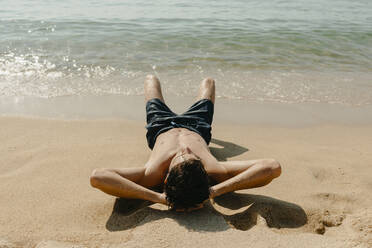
x=160, y=118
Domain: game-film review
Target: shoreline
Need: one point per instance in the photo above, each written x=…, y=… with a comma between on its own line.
x=227, y=111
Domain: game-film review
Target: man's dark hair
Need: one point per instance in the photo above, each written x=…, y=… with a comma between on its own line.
x=187, y=185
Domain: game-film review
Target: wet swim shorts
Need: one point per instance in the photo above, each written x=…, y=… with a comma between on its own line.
x=160, y=118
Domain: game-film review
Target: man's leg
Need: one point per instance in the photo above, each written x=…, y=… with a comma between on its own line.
x=207, y=90
x=152, y=88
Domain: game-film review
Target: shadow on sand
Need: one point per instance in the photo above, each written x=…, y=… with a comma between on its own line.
x=129, y=213
x=205, y=219
x=226, y=149
x=277, y=213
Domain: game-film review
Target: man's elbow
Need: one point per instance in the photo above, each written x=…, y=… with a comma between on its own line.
x=274, y=167
x=277, y=169
x=96, y=177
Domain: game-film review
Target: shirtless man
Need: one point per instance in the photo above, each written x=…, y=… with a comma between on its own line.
x=181, y=163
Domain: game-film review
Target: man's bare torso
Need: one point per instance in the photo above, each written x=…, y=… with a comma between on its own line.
x=169, y=143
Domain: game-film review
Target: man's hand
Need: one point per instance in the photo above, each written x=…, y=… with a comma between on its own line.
x=212, y=193
x=162, y=199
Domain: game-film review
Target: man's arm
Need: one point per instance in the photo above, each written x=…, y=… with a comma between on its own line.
x=128, y=183
x=246, y=175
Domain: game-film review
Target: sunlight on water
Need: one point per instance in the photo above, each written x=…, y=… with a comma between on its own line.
x=286, y=51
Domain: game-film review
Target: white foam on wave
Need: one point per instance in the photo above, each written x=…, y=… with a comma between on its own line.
x=32, y=75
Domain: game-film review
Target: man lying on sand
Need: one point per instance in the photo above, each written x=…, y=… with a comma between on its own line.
x=181, y=162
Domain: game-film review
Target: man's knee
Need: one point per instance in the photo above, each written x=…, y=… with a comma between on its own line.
x=152, y=81
x=208, y=82
x=151, y=77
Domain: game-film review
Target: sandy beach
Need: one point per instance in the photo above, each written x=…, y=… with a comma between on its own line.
x=322, y=198
x=293, y=83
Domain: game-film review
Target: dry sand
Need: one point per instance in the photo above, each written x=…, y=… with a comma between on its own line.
x=322, y=199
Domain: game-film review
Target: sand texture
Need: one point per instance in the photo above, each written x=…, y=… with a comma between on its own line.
x=322, y=199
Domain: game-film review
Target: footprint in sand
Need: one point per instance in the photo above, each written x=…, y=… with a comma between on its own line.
x=320, y=220
x=327, y=215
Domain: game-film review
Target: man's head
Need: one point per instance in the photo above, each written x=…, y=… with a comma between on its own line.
x=187, y=184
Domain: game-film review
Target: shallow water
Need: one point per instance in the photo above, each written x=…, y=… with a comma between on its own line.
x=260, y=51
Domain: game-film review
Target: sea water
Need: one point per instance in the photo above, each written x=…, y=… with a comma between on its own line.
x=289, y=51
